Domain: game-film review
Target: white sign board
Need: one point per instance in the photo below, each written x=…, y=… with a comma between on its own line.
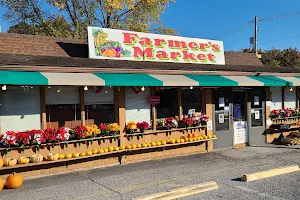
x=127, y=45
x=240, y=132
x=209, y=125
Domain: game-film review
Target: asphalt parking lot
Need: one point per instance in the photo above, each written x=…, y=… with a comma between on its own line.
x=139, y=179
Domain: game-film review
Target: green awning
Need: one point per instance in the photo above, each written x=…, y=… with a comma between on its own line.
x=22, y=78
x=212, y=80
x=116, y=79
x=272, y=81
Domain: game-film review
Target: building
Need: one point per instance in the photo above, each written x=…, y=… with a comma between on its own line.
x=51, y=82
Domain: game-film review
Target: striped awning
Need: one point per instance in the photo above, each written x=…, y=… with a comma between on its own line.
x=125, y=79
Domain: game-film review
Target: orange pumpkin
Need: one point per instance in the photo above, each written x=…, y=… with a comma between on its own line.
x=110, y=52
x=1, y=162
x=14, y=181
x=1, y=184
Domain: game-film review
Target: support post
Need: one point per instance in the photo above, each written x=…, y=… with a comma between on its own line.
x=153, y=110
x=43, y=107
x=283, y=96
x=180, y=113
x=209, y=112
x=82, y=109
x=297, y=97
x=268, y=109
x=121, y=114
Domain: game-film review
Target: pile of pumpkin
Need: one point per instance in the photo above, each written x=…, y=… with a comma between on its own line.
x=12, y=181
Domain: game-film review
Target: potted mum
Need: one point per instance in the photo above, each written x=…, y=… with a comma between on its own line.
x=142, y=126
x=103, y=129
x=131, y=127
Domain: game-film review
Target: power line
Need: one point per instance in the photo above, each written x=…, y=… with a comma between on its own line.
x=286, y=38
x=280, y=16
x=238, y=29
x=235, y=30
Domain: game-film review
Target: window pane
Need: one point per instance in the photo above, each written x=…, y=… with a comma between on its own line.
x=191, y=99
x=99, y=113
x=168, y=106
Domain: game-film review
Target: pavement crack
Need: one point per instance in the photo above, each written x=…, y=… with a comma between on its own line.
x=108, y=188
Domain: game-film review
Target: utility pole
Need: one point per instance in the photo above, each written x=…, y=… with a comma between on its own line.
x=255, y=34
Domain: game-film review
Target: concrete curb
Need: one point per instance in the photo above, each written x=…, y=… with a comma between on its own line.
x=270, y=173
x=181, y=192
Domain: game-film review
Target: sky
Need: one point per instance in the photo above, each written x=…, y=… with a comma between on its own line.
x=218, y=19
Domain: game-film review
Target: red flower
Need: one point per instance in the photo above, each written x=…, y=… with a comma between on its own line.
x=50, y=135
x=142, y=125
x=103, y=127
x=23, y=138
x=80, y=130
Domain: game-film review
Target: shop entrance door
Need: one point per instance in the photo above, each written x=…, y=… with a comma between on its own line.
x=256, y=116
x=222, y=118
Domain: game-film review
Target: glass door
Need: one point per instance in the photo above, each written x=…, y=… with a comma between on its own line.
x=223, y=118
x=256, y=115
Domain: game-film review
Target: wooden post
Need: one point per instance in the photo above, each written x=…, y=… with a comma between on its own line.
x=246, y=104
x=268, y=109
x=82, y=108
x=179, y=92
x=43, y=107
x=297, y=97
x=209, y=112
x=121, y=113
x=153, y=110
x=283, y=96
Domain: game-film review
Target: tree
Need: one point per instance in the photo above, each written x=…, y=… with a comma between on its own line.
x=70, y=17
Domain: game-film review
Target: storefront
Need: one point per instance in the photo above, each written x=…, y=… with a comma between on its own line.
x=113, y=108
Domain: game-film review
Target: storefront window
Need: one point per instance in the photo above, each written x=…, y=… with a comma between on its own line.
x=67, y=115
x=99, y=105
x=168, y=106
x=191, y=100
x=63, y=107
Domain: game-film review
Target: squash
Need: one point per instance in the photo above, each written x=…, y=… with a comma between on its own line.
x=95, y=151
x=75, y=155
x=23, y=160
x=82, y=154
x=36, y=158
x=68, y=156
x=61, y=156
x=1, y=162
x=14, y=181
x=1, y=184
x=10, y=161
x=52, y=157
x=89, y=153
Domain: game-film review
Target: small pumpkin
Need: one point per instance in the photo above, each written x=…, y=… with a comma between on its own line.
x=101, y=151
x=1, y=162
x=36, y=158
x=61, y=156
x=14, y=181
x=89, y=153
x=68, y=156
x=75, y=155
x=1, y=184
x=23, y=160
x=82, y=154
x=52, y=157
x=95, y=151
x=10, y=161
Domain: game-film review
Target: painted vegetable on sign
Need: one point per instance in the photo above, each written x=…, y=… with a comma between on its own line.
x=108, y=48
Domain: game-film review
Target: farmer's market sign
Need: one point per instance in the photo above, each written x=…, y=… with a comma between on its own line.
x=127, y=45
